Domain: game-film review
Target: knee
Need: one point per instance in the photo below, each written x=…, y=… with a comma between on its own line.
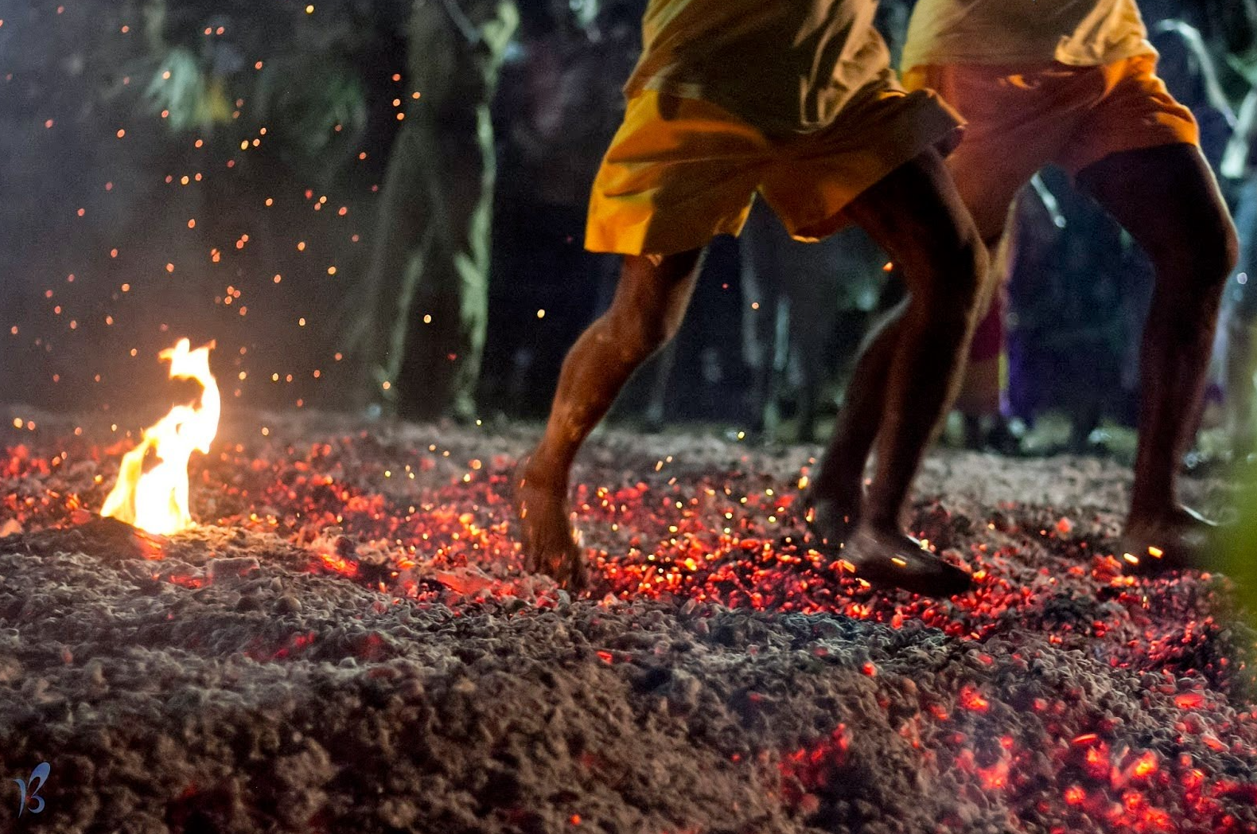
x=961, y=281
x=638, y=334
x=650, y=303
x=1207, y=262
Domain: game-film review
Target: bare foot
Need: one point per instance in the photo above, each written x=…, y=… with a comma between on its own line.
x=545, y=529
x=889, y=558
x=1178, y=540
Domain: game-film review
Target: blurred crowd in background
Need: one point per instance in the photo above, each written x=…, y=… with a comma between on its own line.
x=776, y=322
x=380, y=206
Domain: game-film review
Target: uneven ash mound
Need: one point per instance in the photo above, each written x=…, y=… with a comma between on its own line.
x=348, y=643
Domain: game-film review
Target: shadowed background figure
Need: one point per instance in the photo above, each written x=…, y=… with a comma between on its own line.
x=420, y=330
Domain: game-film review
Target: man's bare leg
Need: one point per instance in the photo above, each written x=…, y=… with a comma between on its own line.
x=837, y=494
x=1168, y=199
x=915, y=362
x=649, y=304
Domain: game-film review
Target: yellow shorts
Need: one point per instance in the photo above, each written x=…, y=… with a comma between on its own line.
x=1019, y=119
x=681, y=171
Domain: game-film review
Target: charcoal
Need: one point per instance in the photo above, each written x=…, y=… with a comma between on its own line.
x=355, y=653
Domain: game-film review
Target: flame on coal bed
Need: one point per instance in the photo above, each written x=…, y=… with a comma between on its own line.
x=157, y=500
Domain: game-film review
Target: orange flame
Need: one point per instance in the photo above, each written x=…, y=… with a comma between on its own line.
x=157, y=500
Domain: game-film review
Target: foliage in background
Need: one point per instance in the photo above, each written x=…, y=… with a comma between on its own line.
x=300, y=73
x=190, y=97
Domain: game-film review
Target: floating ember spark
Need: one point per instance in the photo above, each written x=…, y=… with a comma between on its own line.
x=157, y=500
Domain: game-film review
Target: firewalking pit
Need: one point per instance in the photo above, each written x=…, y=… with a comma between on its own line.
x=347, y=642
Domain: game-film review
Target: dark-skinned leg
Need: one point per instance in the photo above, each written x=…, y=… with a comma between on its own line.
x=837, y=492
x=645, y=313
x=918, y=217
x=1168, y=199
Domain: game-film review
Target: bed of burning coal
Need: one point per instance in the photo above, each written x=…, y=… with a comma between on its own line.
x=348, y=643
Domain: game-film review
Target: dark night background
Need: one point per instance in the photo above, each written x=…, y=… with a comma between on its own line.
x=214, y=170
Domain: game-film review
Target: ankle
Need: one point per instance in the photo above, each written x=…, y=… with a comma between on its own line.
x=541, y=478
x=841, y=489
x=879, y=524
x=1144, y=511
x=1163, y=518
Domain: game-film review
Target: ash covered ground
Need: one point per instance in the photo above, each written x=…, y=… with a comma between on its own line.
x=348, y=643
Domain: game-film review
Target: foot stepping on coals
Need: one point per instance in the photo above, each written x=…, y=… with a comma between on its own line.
x=887, y=559
x=1183, y=541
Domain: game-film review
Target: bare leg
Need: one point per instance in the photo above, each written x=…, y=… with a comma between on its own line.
x=647, y=310
x=656, y=404
x=1168, y=200
x=915, y=214
x=837, y=492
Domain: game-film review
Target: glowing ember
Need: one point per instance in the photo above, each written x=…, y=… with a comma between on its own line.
x=972, y=700
x=157, y=500
x=1060, y=691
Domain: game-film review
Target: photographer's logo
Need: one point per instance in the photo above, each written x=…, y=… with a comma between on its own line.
x=30, y=797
